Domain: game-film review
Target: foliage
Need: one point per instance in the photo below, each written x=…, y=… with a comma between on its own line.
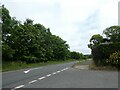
x=102, y=52
x=30, y=42
x=77, y=55
x=95, y=40
x=113, y=33
x=114, y=58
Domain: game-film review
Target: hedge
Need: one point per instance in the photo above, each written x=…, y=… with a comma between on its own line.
x=102, y=52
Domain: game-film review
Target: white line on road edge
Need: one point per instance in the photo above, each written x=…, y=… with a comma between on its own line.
x=18, y=87
x=41, y=78
x=32, y=81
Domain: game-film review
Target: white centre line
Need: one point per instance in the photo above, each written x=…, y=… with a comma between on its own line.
x=61, y=70
x=41, y=78
x=58, y=71
x=48, y=75
x=54, y=73
x=18, y=87
x=32, y=81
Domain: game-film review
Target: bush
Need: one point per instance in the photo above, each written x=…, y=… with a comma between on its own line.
x=102, y=52
x=114, y=58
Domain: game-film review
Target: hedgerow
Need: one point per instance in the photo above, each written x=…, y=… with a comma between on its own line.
x=102, y=52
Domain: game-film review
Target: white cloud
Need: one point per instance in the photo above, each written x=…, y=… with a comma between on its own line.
x=73, y=20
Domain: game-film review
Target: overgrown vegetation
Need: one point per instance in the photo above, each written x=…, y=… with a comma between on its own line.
x=105, y=51
x=114, y=59
x=102, y=52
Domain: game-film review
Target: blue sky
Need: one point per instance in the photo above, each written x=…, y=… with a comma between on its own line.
x=75, y=21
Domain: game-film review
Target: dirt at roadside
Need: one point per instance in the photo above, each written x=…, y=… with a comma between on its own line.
x=83, y=65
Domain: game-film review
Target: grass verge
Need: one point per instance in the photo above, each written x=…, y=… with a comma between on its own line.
x=92, y=66
x=10, y=66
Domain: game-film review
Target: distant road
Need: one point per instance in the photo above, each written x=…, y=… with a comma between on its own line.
x=60, y=76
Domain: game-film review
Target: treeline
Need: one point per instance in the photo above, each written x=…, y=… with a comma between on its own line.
x=29, y=42
x=106, y=51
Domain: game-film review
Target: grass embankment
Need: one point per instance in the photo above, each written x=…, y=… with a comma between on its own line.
x=19, y=65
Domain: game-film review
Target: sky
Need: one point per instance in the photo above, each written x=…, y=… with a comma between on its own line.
x=75, y=21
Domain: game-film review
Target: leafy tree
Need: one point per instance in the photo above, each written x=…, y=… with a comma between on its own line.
x=77, y=55
x=95, y=40
x=30, y=42
x=113, y=33
x=60, y=48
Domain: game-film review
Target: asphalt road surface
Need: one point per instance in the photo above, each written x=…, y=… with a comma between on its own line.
x=59, y=76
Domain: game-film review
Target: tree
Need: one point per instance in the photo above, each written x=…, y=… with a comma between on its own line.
x=95, y=40
x=77, y=55
x=60, y=48
x=113, y=33
x=30, y=42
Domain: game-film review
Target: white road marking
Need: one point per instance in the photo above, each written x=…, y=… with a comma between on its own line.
x=32, y=81
x=48, y=75
x=61, y=70
x=54, y=73
x=27, y=71
x=58, y=71
x=66, y=68
x=41, y=78
x=18, y=87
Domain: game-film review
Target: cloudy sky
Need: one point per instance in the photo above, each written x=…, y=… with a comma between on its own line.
x=75, y=21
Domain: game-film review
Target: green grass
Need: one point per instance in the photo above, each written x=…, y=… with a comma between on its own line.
x=10, y=66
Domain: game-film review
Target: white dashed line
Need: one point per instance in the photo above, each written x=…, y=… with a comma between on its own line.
x=41, y=78
x=58, y=71
x=54, y=73
x=48, y=75
x=32, y=81
x=61, y=70
x=66, y=68
x=18, y=87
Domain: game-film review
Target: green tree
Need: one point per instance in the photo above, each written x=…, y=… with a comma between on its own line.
x=77, y=55
x=113, y=33
x=95, y=40
x=60, y=48
x=30, y=42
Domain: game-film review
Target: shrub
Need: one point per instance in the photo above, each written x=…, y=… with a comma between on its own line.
x=102, y=52
x=114, y=58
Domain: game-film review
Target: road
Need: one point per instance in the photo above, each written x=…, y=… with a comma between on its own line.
x=59, y=76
